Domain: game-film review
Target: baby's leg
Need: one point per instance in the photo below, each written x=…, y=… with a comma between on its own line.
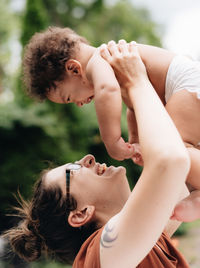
x=194, y=174
x=184, y=109
x=188, y=209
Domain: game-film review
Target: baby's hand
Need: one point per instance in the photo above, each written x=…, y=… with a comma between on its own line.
x=137, y=156
x=120, y=150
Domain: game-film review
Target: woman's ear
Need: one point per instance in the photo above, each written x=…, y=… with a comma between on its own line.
x=73, y=67
x=78, y=218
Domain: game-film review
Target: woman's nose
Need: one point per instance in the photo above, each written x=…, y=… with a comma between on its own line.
x=88, y=161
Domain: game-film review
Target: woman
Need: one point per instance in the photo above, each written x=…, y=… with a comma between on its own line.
x=86, y=211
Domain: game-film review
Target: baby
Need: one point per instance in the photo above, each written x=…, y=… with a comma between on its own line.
x=60, y=65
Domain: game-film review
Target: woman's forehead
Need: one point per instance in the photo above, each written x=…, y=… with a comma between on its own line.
x=58, y=170
x=56, y=174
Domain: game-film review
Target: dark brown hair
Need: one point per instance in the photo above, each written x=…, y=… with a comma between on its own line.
x=45, y=57
x=44, y=227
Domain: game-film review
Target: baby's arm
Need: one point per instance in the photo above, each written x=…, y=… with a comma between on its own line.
x=133, y=137
x=108, y=104
x=132, y=126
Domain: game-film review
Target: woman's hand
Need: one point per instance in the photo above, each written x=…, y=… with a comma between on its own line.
x=126, y=62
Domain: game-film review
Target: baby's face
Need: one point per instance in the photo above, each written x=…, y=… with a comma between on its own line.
x=72, y=90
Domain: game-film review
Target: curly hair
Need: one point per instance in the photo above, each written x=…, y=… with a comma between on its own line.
x=44, y=59
x=44, y=228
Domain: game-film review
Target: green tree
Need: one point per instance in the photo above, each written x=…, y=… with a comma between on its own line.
x=72, y=12
x=35, y=19
x=6, y=30
x=120, y=21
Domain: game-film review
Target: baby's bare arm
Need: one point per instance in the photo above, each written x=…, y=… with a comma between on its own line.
x=132, y=126
x=108, y=104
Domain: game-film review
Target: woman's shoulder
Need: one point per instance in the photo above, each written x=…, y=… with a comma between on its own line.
x=89, y=253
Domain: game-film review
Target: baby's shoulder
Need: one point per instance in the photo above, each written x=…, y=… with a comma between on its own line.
x=96, y=56
x=95, y=62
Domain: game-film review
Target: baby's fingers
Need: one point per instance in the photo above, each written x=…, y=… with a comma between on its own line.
x=129, y=152
x=137, y=157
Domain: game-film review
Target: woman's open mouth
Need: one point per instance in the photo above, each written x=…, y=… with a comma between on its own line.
x=101, y=169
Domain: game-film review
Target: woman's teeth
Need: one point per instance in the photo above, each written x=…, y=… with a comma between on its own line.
x=101, y=169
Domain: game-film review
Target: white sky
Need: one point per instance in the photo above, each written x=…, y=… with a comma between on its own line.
x=17, y=4
x=181, y=23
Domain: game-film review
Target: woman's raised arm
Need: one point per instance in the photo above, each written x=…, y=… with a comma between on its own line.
x=166, y=165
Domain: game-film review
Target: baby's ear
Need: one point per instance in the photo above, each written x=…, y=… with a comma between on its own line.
x=73, y=67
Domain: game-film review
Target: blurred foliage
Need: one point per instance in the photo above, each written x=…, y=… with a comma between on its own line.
x=182, y=230
x=7, y=19
x=121, y=21
x=35, y=19
x=72, y=12
x=31, y=132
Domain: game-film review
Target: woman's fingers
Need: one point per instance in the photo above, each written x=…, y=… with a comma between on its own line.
x=113, y=51
x=123, y=47
x=133, y=48
x=105, y=53
x=110, y=52
x=113, y=48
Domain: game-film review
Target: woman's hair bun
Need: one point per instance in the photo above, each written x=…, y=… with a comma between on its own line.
x=25, y=242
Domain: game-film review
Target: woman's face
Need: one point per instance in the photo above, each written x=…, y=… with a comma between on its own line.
x=95, y=184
